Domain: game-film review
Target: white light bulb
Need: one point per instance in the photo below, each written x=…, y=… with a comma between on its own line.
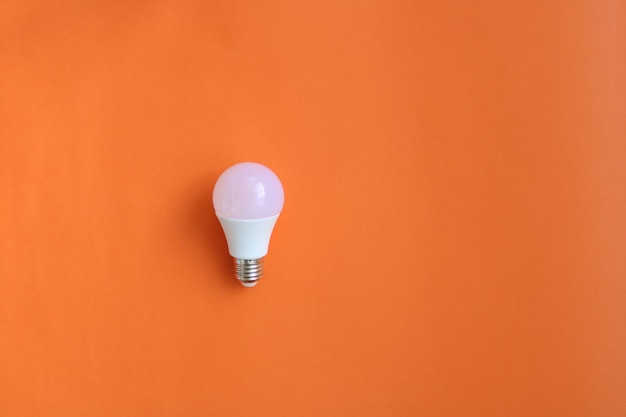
x=248, y=197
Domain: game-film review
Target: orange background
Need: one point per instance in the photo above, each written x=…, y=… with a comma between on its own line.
x=453, y=241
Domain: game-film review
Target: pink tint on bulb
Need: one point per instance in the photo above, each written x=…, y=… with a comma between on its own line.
x=248, y=191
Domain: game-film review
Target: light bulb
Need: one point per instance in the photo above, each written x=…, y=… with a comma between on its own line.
x=248, y=197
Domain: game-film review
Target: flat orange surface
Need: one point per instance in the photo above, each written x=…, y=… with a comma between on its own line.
x=453, y=241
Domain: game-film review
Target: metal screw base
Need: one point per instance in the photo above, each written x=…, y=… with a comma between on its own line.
x=248, y=271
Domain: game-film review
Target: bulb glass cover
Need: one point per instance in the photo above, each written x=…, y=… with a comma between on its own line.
x=248, y=191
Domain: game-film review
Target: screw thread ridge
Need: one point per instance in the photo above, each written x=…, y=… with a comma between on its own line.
x=248, y=271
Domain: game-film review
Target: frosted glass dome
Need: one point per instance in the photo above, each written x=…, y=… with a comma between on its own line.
x=248, y=191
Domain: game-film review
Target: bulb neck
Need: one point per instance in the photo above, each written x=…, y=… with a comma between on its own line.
x=248, y=239
x=248, y=271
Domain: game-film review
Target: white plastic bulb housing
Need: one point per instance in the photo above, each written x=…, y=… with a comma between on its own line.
x=248, y=197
